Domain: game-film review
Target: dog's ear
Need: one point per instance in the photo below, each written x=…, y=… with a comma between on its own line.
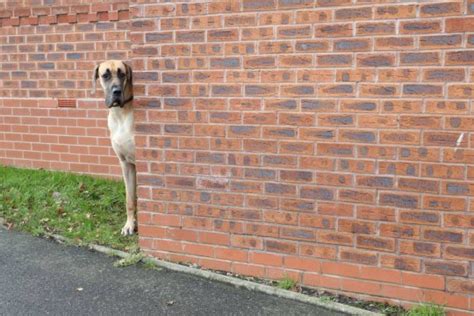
x=129, y=74
x=94, y=78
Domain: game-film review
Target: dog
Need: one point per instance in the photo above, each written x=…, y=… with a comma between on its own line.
x=116, y=77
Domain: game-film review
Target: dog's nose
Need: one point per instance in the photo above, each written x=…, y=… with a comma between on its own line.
x=116, y=91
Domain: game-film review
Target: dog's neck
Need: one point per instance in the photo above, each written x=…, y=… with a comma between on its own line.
x=121, y=112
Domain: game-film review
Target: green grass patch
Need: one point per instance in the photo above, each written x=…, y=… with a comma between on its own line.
x=129, y=261
x=426, y=309
x=83, y=208
x=286, y=283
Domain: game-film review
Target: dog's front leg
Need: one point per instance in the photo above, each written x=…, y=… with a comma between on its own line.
x=130, y=179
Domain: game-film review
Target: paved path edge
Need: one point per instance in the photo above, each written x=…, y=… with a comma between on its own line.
x=253, y=286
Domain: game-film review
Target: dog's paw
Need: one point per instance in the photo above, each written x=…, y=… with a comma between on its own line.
x=128, y=228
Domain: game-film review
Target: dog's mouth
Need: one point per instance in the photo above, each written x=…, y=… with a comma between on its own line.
x=115, y=104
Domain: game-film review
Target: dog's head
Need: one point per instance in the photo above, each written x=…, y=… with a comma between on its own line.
x=115, y=77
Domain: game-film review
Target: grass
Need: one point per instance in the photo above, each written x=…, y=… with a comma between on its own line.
x=286, y=283
x=129, y=261
x=426, y=309
x=82, y=208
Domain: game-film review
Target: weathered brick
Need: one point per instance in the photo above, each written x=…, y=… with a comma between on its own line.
x=381, y=28
x=333, y=30
x=431, y=58
x=364, y=13
x=394, y=43
x=445, y=268
x=399, y=200
x=427, y=218
x=460, y=58
x=444, y=74
x=420, y=248
x=375, y=60
x=421, y=27
x=439, y=41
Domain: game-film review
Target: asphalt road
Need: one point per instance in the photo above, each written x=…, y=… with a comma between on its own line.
x=41, y=277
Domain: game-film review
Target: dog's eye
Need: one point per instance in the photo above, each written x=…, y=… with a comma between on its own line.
x=121, y=75
x=106, y=76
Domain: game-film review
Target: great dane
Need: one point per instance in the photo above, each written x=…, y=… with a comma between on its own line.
x=115, y=77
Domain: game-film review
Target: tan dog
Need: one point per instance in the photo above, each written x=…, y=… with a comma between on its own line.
x=116, y=80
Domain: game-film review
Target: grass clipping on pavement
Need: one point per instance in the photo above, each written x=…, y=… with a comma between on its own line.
x=83, y=208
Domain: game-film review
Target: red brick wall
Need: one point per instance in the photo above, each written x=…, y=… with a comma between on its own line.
x=314, y=138
x=309, y=138
x=48, y=117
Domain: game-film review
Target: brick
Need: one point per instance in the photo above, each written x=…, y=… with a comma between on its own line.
x=356, y=196
x=443, y=75
x=460, y=58
x=399, y=231
x=375, y=243
x=461, y=91
x=443, y=235
x=440, y=41
x=397, y=12
x=301, y=90
x=275, y=18
x=399, y=200
x=275, y=47
x=396, y=106
x=424, y=218
x=440, y=139
x=266, y=259
x=264, y=118
x=254, y=5
x=352, y=45
x=317, y=193
x=394, y=43
x=202, y=22
x=359, y=257
x=460, y=286
x=281, y=247
x=311, y=16
x=316, y=134
x=335, y=179
x=401, y=263
x=356, y=227
x=422, y=90
x=352, y=14
x=286, y=4
x=257, y=33
x=222, y=35
x=380, y=28
x=375, y=60
x=311, y=46
x=459, y=252
x=240, y=20
x=298, y=234
x=296, y=147
x=260, y=90
x=440, y=9
x=357, y=136
x=242, y=76
x=421, y=154
x=336, y=90
x=445, y=268
x=420, y=248
x=421, y=27
x=333, y=30
x=334, y=60
x=295, y=61
x=296, y=119
x=431, y=58
x=294, y=31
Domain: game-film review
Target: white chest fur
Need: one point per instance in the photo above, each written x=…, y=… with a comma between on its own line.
x=120, y=122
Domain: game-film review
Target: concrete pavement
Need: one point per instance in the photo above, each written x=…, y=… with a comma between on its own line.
x=41, y=277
